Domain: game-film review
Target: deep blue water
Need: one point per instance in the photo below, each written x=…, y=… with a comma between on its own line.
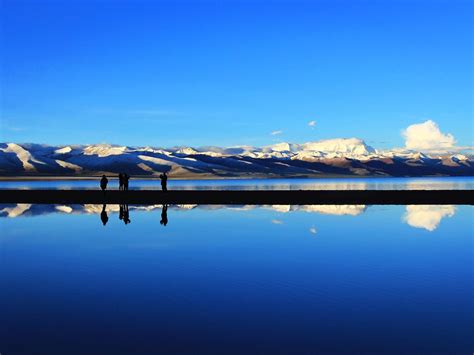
x=241, y=280
x=433, y=183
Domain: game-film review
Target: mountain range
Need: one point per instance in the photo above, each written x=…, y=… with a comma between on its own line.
x=334, y=157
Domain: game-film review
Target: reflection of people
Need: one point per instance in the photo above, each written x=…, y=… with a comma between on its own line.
x=125, y=214
x=103, y=183
x=120, y=181
x=164, y=181
x=103, y=215
x=164, y=215
x=126, y=177
x=121, y=212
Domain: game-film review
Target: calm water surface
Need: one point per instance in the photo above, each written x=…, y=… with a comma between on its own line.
x=438, y=183
x=351, y=279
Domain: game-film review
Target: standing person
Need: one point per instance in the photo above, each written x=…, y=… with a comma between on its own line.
x=125, y=181
x=120, y=181
x=164, y=181
x=103, y=183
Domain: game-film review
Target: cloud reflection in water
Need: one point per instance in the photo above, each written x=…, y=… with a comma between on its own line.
x=427, y=217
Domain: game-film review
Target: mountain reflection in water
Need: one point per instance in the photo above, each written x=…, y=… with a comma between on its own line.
x=208, y=279
x=427, y=217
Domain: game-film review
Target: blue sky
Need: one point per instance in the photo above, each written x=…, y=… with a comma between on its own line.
x=167, y=73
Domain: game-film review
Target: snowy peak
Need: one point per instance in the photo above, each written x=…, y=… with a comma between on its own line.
x=334, y=157
x=341, y=146
x=104, y=150
x=187, y=151
x=283, y=147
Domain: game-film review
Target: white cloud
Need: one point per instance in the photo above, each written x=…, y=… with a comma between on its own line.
x=275, y=133
x=427, y=217
x=427, y=136
x=312, y=124
x=277, y=221
x=313, y=230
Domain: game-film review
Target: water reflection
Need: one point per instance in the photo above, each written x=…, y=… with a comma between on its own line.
x=296, y=279
x=372, y=183
x=426, y=217
x=124, y=214
x=164, y=215
x=103, y=215
x=15, y=210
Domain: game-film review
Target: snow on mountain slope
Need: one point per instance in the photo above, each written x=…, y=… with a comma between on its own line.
x=331, y=157
x=147, y=168
x=187, y=151
x=104, y=150
x=283, y=147
x=348, y=147
x=308, y=155
x=23, y=155
x=63, y=150
x=67, y=165
x=156, y=160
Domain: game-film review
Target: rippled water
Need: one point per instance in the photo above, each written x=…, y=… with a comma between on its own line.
x=197, y=279
x=437, y=183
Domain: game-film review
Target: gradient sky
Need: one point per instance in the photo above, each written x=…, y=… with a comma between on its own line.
x=167, y=73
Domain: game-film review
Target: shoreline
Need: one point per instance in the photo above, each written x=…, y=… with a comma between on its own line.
x=245, y=197
x=145, y=178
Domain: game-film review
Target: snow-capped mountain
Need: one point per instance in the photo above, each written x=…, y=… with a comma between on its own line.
x=334, y=157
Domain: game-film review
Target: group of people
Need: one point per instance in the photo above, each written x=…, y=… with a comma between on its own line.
x=125, y=216
x=123, y=186
x=123, y=181
x=124, y=178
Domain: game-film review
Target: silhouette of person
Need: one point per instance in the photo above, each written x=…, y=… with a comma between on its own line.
x=103, y=215
x=164, y=181
x=125, y=181
x=126, y=218
x=103, y=183
x=120, y=176
x=121, y=212
x=164, y=216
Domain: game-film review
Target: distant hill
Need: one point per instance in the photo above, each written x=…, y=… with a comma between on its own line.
x=335, y=157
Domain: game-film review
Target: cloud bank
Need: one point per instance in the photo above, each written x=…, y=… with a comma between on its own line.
x=427, y=136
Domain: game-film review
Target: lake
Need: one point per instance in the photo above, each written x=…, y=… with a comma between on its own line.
x=276, y=279
x=386, y=183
